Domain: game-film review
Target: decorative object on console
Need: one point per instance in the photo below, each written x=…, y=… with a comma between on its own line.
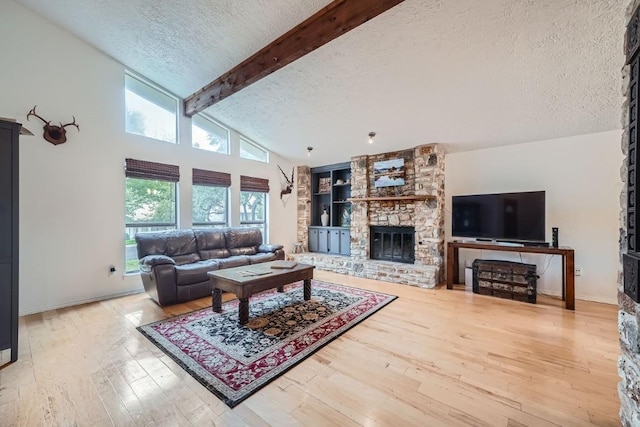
x=288, y=186
x=54, y=134
x=505, y=279
x=324, y=185
x=345, y=216
x=324, y=218
x=388, y=173
x=233, y=361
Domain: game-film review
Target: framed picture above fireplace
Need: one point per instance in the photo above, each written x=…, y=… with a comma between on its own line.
x=388, y=173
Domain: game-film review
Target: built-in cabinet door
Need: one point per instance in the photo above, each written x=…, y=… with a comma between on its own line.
x=5, y=305
x=323, y=240
x=345, y=242
x=334, y=241
x=6, y=197
x=313, y=240
x=6, y=238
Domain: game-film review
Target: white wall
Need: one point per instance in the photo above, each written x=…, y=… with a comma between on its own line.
x=581, y=177
x=72, y=195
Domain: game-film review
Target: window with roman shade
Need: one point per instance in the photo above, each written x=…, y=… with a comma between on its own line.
x=150, y=202
x=210, y=201
x=253, y=203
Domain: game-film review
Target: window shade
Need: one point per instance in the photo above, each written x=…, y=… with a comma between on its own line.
x=259, y=185
x=205, y=177
x=151, y=170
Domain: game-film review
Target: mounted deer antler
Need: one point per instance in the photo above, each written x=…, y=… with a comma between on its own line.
x=289, y=187
x=54, y=134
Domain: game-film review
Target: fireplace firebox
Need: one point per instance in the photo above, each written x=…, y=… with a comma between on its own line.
x=392, y=244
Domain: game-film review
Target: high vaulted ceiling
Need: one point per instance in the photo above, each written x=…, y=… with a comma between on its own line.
x=465, y=73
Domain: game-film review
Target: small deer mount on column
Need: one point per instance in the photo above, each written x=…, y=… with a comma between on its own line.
x=54, y=134
x=288, y=188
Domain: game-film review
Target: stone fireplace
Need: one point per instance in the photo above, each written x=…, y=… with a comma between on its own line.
x=392, y=244
x=417, y=205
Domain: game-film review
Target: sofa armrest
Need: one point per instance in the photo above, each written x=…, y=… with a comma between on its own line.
x=159, y=282
x=153, y=260
x=269, y=248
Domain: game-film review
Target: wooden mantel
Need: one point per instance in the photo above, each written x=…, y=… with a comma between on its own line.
x=391, y=198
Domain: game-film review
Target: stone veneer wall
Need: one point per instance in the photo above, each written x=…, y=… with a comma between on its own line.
x=628, y=321
x=424, y=175
x=303, y=184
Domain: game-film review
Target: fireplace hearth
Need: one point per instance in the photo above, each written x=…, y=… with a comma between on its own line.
x=393, y=244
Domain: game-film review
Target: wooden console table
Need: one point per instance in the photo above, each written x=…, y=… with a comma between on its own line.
x=568, y=273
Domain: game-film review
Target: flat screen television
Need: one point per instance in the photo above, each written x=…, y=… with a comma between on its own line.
x=516, y=217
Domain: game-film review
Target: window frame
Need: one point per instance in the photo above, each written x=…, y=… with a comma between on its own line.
x=160, y=90
x=245, y=140
x=154, y=172
x=264, y=224
x=207, y=118
x=156, y=226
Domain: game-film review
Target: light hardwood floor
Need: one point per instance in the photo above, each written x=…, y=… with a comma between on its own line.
x=430, y=358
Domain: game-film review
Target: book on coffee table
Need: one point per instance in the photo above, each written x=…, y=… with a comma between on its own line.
x=283, y=264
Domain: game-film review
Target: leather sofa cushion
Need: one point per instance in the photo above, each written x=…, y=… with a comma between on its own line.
x=186, y=259
x=183, y=243
x=243, y=241
x=269, y=248
x=211, y=243
x=251, y=250
x=189, y=274
x=258, y=258
x=213, y=253
x=233, y=261
x=172, y=243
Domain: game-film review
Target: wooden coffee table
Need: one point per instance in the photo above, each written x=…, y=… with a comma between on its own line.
x=251, y=279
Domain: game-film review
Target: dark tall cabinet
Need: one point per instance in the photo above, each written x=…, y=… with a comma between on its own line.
x=9, y=133
x=331, y=191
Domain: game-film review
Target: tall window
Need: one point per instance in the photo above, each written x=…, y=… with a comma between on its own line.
x=209, y=135
x=253, y=203
x=150, y=112
x=210, y=198
x=150, y=203
x=252, y=151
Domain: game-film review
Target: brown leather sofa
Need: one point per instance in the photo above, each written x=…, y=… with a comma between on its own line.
x=174, y=263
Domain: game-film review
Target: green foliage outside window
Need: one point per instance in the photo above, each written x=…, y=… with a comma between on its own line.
x=150, y=201
x=252, y=206
x=209, y=204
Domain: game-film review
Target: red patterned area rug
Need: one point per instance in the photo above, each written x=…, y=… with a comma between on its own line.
x=233, y=361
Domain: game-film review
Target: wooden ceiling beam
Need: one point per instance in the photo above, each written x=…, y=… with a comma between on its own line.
x=327, y=24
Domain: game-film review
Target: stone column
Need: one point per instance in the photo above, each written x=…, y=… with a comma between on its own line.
x=359, y=210
x=303, y=183
x=629, y=360
x=429, y=222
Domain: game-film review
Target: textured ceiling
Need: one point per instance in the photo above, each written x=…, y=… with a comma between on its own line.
x=465, y=73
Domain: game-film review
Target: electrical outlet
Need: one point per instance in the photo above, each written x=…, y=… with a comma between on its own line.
x=578, y=271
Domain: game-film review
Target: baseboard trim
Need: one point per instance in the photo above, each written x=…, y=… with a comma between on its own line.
x=79, y=302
